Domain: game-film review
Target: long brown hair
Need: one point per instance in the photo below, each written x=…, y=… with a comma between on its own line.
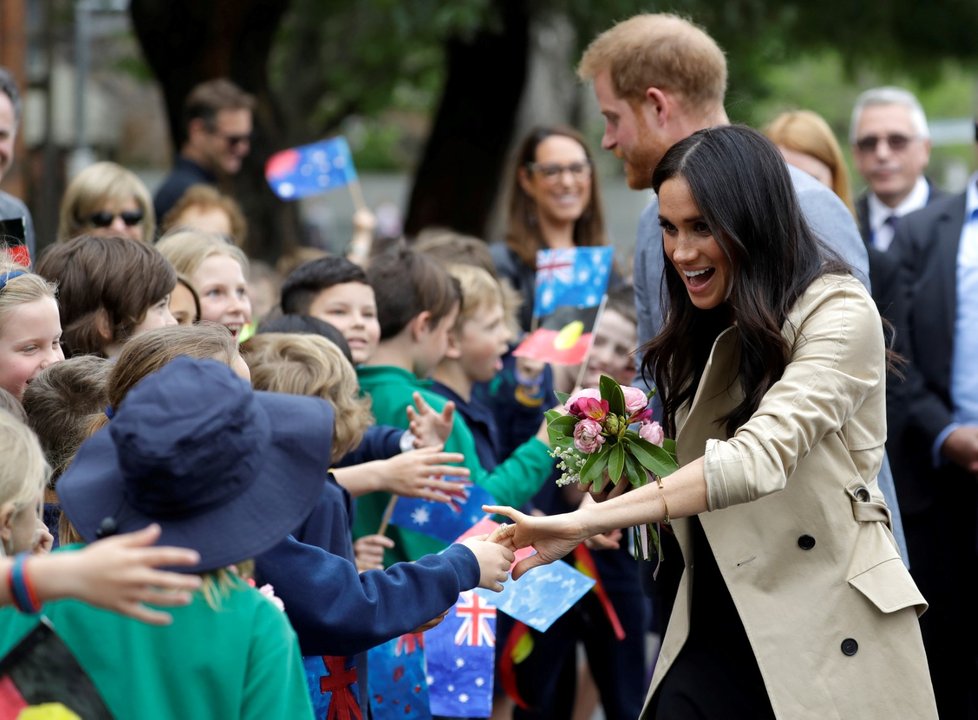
x=741, y=186
x=523, y=234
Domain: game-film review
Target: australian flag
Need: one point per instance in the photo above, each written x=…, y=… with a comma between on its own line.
x=575, y=277
x=397, y=683
x=445, y=521
x=461, y=655
x=310, y=169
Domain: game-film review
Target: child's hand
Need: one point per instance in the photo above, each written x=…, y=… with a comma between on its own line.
x=418, y=473
x=369, y=551
x=119, y=574
x=494, y=561
x=429, y=427
x=434, y=622
x=43, y=539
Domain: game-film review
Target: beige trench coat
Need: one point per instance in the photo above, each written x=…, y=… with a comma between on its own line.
x=798, y=525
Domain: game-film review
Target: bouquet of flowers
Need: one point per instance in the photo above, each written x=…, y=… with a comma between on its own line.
x=604, y=434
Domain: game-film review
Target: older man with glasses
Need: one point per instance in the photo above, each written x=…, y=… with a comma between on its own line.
x=891, y=145
x=218, y=117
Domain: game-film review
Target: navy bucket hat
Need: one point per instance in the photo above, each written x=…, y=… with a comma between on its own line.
x=223, y=469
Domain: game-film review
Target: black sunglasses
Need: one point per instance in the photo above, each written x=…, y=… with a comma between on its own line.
x=895, y=141
x=232, y=140
x=103, y=219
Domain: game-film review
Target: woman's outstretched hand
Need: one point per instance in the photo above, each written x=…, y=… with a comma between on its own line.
x=552, y=536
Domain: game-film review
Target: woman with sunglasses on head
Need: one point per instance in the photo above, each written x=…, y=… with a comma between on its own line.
x=107, y=199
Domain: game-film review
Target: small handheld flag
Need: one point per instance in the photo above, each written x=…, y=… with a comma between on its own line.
x=575, y=277
x=310, y=169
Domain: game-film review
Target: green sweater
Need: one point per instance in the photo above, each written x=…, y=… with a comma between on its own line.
x=512, y=482
x=239, y=661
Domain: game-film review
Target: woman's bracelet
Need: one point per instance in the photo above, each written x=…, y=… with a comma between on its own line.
x=662, y=495
x=22, y=592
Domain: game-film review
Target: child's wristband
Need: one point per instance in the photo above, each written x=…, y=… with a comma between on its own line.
x=22, y=592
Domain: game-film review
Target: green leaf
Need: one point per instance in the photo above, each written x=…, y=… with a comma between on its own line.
x=611, y=391
x=669, y=445
x=561, y=396
x=652, y=457
x=634, y=471
x=616, y=463
x=563, y=421
x=594, y=466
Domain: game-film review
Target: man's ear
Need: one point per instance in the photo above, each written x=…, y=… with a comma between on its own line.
x=660, y=106
x=196, y=128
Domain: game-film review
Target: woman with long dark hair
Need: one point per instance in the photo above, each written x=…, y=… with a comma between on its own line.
x=794, y=601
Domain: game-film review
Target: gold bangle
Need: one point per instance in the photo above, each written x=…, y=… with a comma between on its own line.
x=662, y=496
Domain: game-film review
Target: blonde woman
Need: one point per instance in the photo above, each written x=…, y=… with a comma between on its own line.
x=107, y=199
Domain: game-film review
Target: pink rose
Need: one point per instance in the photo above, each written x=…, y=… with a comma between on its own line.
x=593, y=393
x=587, y=405
x=635, y=399
x=652, y=432
x=587, y=436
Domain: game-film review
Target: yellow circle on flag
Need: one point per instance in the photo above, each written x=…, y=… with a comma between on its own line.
x=569, y=335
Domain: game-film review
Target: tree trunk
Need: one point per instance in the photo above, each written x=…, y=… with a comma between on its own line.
x=188, y=41
x=458, y=176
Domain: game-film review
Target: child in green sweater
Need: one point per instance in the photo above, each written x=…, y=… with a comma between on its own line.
x=417, y=305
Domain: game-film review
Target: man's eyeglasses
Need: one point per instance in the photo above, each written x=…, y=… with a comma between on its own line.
x=895, y=141
x=552, y=171
x=233, y=141
x=104, y=219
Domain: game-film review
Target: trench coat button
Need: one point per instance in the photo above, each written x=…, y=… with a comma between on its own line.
x=862, y=495
x=806, y=542
x=849, y=647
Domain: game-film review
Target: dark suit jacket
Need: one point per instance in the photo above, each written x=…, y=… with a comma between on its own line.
x=926, y=245
x=862, y=212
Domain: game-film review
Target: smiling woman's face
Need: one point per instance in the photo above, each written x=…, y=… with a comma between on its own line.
x=559, y=181
x=689, y=244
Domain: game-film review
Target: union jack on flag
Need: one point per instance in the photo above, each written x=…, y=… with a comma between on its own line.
x=461, y=656
x=475, y=613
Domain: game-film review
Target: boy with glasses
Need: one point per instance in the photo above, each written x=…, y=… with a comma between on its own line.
x=218, y=119
x=891, y=146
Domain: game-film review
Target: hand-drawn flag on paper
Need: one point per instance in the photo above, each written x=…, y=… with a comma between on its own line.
x=542, y=595
x=575, y=277
x=42, y=671
x=461, y=654
x=310, y=169
x=445, y=521
x=397, y=683
x=563, y=338
x=333, y=687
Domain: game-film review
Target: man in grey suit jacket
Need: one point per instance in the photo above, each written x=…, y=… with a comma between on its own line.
x=658, y=79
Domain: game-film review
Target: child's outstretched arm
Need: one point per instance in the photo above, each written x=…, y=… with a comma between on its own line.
x=494, y=561
x=118, y=573
x=416, y=473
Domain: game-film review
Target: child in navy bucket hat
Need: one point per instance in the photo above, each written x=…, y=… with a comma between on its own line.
x=223, y=470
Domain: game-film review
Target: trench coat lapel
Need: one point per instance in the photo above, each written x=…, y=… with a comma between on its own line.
x=719, y=391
